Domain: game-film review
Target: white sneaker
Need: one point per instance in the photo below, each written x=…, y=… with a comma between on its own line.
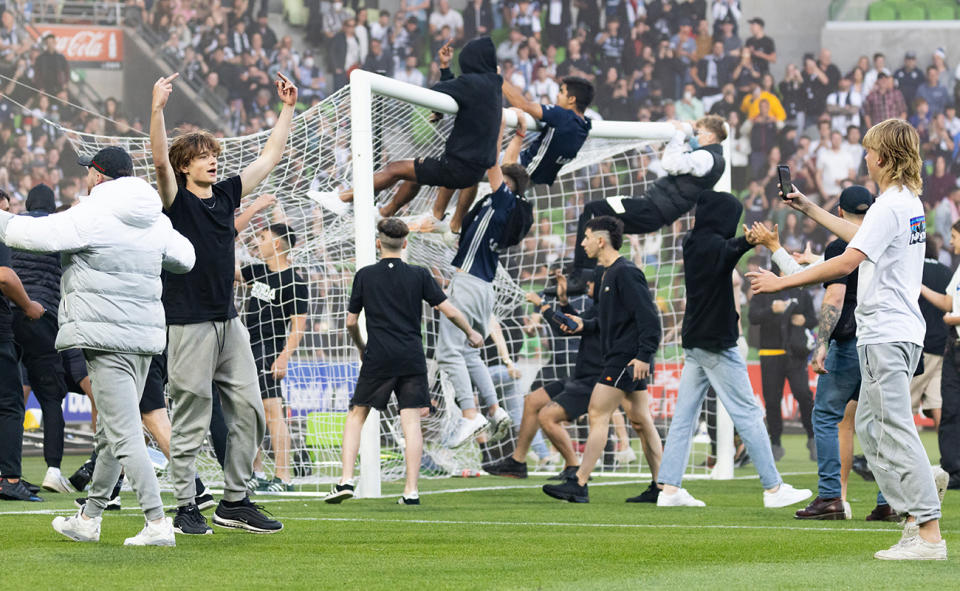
x=914, y=548
x=330, y=201
x=466, y=429
x=786, y=495
x=847, y=511
x=154, y=534
x=625, y=456
x=681, y=498
x=54, y=481
x=429, y=224
x=941, y=479
x=77, y=528
x=500, y=424
x=451, y=239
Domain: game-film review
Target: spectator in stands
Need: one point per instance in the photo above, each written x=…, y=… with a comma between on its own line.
x=884, y=102
x=689, y=107
x=815, y=88
x=378, y=59
x=851, y=145
x=525, y=15
x=870, y=78
x=763, y=50
x=444, y=16
x=936, y=95
x=557, y=22
x=946, y=77
x=745, y=75
x=750, y=106
x=727, y=103
x=51, y=68
x=410, y=74
x=509, y=47
x=478, y=19
x=726, y=12
x=833, y=167
x=844, y=106
x=712, y=72
x=344, y=53
x=732, y=44
x=909, y=77
x=610, y=44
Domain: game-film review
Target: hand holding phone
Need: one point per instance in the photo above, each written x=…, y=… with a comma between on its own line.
x=786, y=186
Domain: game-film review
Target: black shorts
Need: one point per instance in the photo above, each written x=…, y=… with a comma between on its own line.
x=621, y=378
x=572, y=395
x=153, y=398
x=74, y=369
x=264, y=357
x=448, y=172
x=412, y=391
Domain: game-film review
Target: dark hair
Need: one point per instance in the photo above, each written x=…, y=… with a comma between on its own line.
x=931, y=68
x=285, y=233
x=956, y=226
x=611, y=225
x=931, y=249
x=581, y=89
x=878, y=54
x=4, y=195
x=392, y=231
x=519, y=176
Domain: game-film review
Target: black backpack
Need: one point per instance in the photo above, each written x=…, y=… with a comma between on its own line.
x=517, y=227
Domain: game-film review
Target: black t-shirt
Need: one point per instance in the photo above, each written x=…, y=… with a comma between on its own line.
x=937, y=277
x=391, y=292
x=273, y=298
x=846, y=327
x=6, y=318
x=206, y=292
x=765, y=45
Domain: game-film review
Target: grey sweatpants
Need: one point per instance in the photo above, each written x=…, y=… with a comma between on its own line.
x=199, y=355
x=887, y=433
x=461, y=363
x=117, y=380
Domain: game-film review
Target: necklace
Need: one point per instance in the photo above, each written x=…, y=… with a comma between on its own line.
x=212, y=199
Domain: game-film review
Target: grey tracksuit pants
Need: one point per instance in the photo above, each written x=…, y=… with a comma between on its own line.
x=461, y=363
x=886, y=431
x=199, y=355
x=117, y=380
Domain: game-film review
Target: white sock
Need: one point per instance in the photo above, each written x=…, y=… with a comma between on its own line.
x=414, y=495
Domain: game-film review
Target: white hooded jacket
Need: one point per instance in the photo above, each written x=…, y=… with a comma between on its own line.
x=113, y=244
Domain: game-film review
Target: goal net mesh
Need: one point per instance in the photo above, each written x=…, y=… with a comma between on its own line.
x=322, y=374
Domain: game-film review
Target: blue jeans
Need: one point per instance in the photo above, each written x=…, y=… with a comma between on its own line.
x=727, y=373
x=513, y=401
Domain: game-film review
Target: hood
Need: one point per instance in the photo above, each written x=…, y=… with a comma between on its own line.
x=718, y=212
x=41, y=198
x=479, y=57
x=132, y=200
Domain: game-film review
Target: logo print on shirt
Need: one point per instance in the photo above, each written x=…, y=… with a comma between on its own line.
x=918, y=230
x=262, y=292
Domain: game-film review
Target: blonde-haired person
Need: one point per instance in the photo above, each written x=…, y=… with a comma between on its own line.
x=888, y=247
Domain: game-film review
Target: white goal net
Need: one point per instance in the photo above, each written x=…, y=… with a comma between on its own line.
x=320, y=380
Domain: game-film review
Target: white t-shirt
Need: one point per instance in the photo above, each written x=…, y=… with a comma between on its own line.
x=893, y=237
x=953, y=288
x=834, y=167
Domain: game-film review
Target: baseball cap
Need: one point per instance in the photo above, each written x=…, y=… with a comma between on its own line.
x=910, y=55
x=940, y=52
x=757, y=20
x=112, y=161
x=856, y=199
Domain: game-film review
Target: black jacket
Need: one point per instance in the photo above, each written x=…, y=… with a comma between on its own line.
x=674, y=196
x=479, y=95
x=628, y=320
x=39, y=273
x=936, y=276
x=382, y=64
x=710, y=253
x=776, y=330
x=589, y=355
x=470, y=19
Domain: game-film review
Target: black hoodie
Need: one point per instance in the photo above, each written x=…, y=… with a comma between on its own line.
x=39, y=273
x=710, y=253
x=479, y=95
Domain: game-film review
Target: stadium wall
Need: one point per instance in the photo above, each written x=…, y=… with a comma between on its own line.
x=850, y=39
x=781, y=20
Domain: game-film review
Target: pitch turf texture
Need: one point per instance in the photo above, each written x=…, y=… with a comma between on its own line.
x=514, y=537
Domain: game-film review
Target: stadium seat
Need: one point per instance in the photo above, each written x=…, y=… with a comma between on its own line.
x=881, y=11
x=912, y=12
x=296, y=12
x=561, y=55
x=941, y=12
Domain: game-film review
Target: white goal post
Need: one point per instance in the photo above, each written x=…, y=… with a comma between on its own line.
x=363, y=86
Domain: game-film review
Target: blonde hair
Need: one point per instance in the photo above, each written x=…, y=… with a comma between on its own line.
x=897, y=144
x=188, y=146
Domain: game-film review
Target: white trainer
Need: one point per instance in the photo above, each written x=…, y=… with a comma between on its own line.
x=681, y=498
x=500, y=424
x=466, y=429
x=154, y=534
x=54, y=481
x=77, y=528
x=330, y=201
x=914, y=548
x=847, y=511
x=785, y=496
x=941, y=478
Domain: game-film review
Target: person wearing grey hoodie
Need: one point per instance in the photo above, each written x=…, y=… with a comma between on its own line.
x=114, y=244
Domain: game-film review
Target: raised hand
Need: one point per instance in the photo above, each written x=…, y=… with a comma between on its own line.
x=286, y=90
x=445, y=55
x=162, y=89
x=264, y=201
x=761, y=234
x=763, y=281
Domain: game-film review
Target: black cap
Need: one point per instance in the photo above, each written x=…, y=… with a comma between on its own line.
x=910, y=55
x=881, y=75
x=41, y=198
x=856, y=199
x=758, y=21
x=112, y=161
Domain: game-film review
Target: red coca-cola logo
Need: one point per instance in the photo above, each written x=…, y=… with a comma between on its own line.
x=87, y=44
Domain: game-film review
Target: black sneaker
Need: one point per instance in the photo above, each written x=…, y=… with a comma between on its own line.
x=568, y=472
x=860, y=467
x=408, y=501
x=190, y=521
x=954, y=482
x=204, y=501
x=570, y=491
x=508, y=467
x=30, y=486
x=82, y=477
x=340, y=493
x=16, y=491
x=245, y=515
x=648, y=496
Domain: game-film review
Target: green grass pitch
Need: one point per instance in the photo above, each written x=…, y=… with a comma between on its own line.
x=512, y=537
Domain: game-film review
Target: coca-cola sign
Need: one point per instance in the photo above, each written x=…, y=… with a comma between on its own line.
x=88, y=45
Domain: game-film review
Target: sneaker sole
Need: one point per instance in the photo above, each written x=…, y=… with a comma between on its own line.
x=206, y=505
x=58, y=489
x=841, y=516
x=468, y=438
x=164, y=543
x=337, y=498
x=236, y=524
x=517, y=476
x=177, y=530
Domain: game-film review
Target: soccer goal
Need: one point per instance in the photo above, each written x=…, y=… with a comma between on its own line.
x=338, y=144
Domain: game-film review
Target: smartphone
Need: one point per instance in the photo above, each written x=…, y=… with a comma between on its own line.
x=786, y=186
x=566, y=320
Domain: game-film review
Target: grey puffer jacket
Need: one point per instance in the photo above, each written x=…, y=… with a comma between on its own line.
x=114, y=244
